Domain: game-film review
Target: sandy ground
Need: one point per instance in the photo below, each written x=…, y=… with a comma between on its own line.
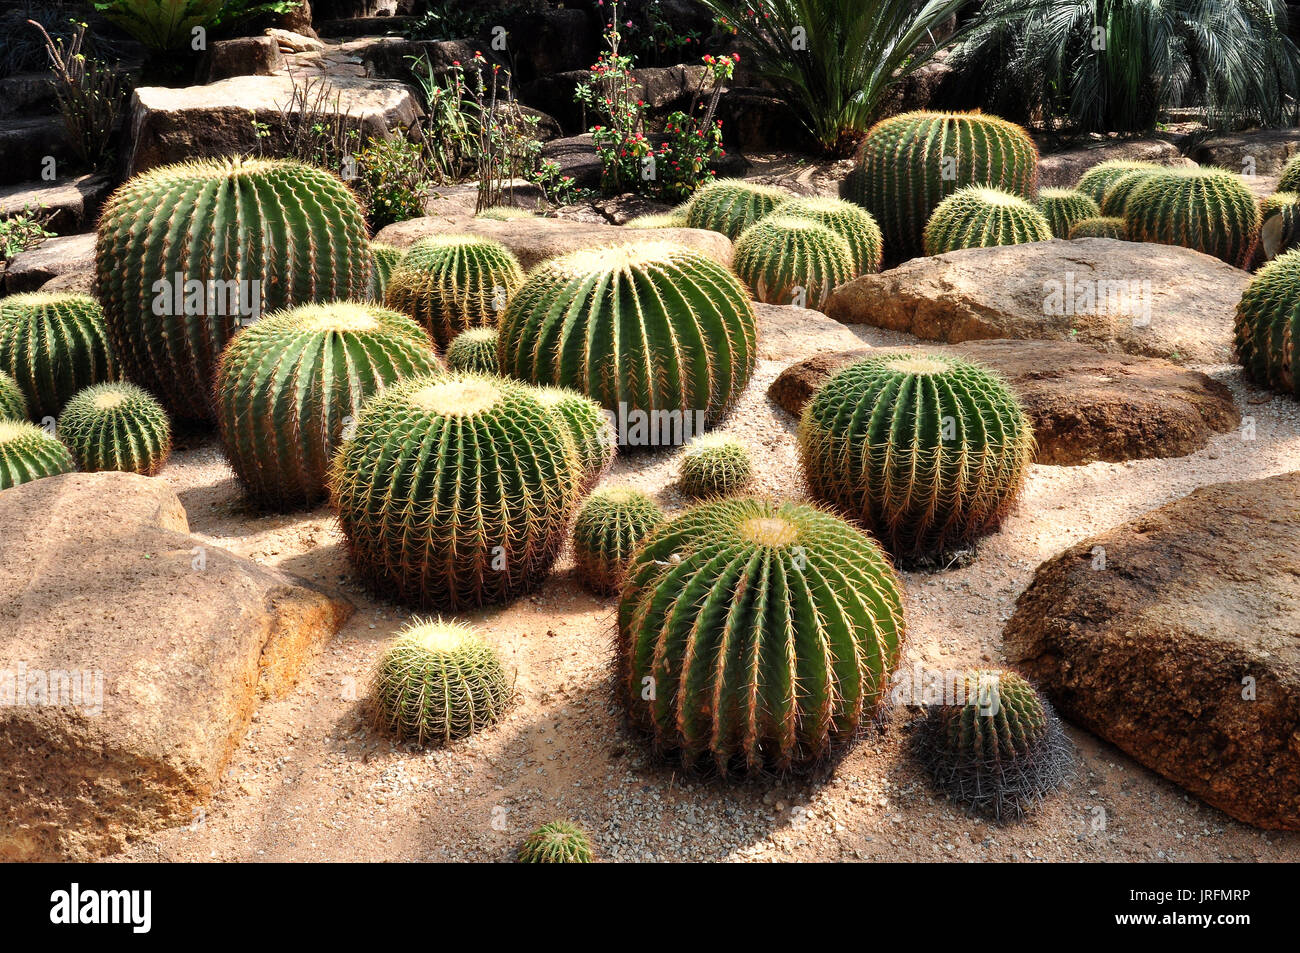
x=312, y=781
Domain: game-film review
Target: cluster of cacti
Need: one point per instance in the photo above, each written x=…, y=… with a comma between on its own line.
x=1101, y=226
x=1290, y=179
x=116, y=426
x=439, y=681
x=649, y=327
x=908, y=164
x=928, y=452
x=589, y=426
x=383, y=259
x=1064, y=208
x=714, y=465
x=756, y=634
x=1268, y=325
x=730, y=206
x=13, y=405
x=674, y=219
x=226, y=241
x=1279, y=223
x=789, y=260
x=289, y=387
x=998, y=748
x=505, y=213
x=979, y=217
x=450, y=283
x=53, y=345
x=473, y=350
x=1206, y=209
x=455, y=490
x=558, y=842
x=1115, y=199
x=28, y=452
x=606, y=532
x=1098, y=179
x=848, y=220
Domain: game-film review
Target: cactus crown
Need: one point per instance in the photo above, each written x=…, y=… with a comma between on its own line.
x=609, y=526
x=1063, y=208
x=557, y=842
x=850, y=221
x=1267, y=326
x=979, y=216
x=28, y=452
x=1100, y=226
x=473, y=350
x=730, y=205
x=1207, y=209
x=781, y=256
x=53, y=345
x=116, y=426
x=715, y=465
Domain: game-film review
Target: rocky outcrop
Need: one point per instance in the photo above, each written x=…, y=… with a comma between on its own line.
x=242, y=56
x=72, y=203
x=1064, y=168
x=1257, y=152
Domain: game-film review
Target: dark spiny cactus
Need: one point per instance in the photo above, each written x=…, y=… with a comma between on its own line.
x=1100, y=227
x=980, y=217
x=383, y=260
x=53, y=345
x=473, y=350
x=609, y=527
x=116, y=426
x=1207, y=209
x=28, y=452
x=1268, y=325
x=790, y=260
x=13, y=405
x=1096, y=180
x=1063, y=208
x=1290, y=180
x=849, y=220
x=730, y=206
x=588, y=425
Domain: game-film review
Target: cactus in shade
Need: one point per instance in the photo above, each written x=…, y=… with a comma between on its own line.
x=473, y=350
x=116, y=426
x=1101, y=226
x=450, y=283
x=439, y=682
x=999, y=749
x=455, y=491
x=53, y=345
x=715, y=465
x=927, y=452
x=787, y=260
x=674, y=219
x=13, y=405
x=1063, y=208
x=557, y=842
x=908, y=164
x=1096, y=180
x=609, y=527
x=505, y=213
x=1206, y=209
x=848, y=220
x=756, y=634
x=1280, y=224
x=648, y=327
x=588, y=425
x=291, y=385
x=730, y=205
x=978, y=217
x=1267, y=326
x=243, y=235
x=383, y=260
x=28, y=452
x=1290, y=180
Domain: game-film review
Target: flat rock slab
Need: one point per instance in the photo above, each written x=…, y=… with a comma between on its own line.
x=26, y=145
x=1085, y=405
x=134, y=655
x=73, y=203
x=1137, y=298
x=1183, y=647
x=29, y=270
x=787, y=333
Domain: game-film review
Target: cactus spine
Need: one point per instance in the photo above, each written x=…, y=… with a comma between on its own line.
x=1100, y=227
x=116, y=426
x=557, y=842
x=979, y=217
x=730, y=206
x=848, y=220
x=13, y=405
x=715, y=465
x=28, y=452
x=588, y=425
x=383, y=259
x=473, y=350
x=1063, y=208
x=788, y=260
x=1206, y=209
x=1097, y=179
x=1267, y=325
x=53, y=345
x=609, y=527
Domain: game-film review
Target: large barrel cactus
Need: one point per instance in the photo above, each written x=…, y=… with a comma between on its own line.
x=1101, y=226
x=588, y=425
x=730, y=206
x=753, y=634
x=28, y=452
x=188, y=253
x=979, y=217
x=1097, y=179
x=790, y=260
x=455, y=491
x=116, y=426
x=910, y=163
x=928, y=452
x=1207, y=209
x=53, y=345
x=1279, y=229
x=1063, y=208
x=653, y=328
x=1268, y=325
x=289, y=386
x=848, y=220
x=608, y=528
x=13, y=405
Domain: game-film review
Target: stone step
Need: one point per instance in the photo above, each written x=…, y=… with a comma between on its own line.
x=24, y=94
x=74, y=201
x=25, y=144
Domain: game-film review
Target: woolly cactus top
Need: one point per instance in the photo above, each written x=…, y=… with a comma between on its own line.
x=16, y=429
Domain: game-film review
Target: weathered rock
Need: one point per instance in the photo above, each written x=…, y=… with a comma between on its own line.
x=297, y=20
x=26, y=94
x=551, y=41
x=390, y=56
x=1084, y=405
x=30, y=269
x=243, y=56
x=100, y=580
x=1064, y=168
x=28, y=143
x=72, y=282
x=576, y=157
x=787, y=333
x=73, y=202
x=1176, y=637
x=757, y=120
x=1093, y=290
x=1257, y=152
x=290, y=42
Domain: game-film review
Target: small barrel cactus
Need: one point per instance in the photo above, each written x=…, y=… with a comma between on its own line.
x=53, y=345
x=789, y=260
x=1290, y=180
x=439, y=682
x=28, y=452
x=927, y=452
x=1280, y=224
x=1267, y=325
x=848, y=220
x=730, y=205
x=908, y=164
x=558, y=842
x=455, y=491
x=715, y=465
x=754, y=634
x=189, y=253
x=609, y=527
x=588, y=425
x=1063, y=208
x=1101, y=226
x=505, y=213
x=998, y=748
x=473, y=350
x=1206, y=209
x=116, y=426
x=1096, y=180
x=383, y=259
x=674, y=219
x=979, y=217
x=13, y=405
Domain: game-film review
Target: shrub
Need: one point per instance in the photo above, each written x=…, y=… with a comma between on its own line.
x=715, y=465
x=116, y=426
x=23, y=230
x=609, y=527
x=392, y=180
x=558, y=842
x=980, y=217
x=53, y=345
x=91, y=96
x=789, y=260
x=1210, y=210
x=846, y=219
x=168, y=25
x=27, y=452
x=1063, y=208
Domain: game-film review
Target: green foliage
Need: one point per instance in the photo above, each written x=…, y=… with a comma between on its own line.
x=392, y=180
x=979, y=217
x=473, y=350
x=1101, y=226
x=91, y=96
x=731, y=205
x=53, y=345
x=1210, y=210
x=1096, y=180
x=558, y=842
x=846, y=219
x=1268, y=325
x=715, y=465
x=167, y=25
x=23, y=230
x=1063, y=208
x=587, y=424
x=755, y=634
x=28, y=452
x=13, y=405
x=383, y=259
x=116, y=426
x=609, y=527
x=790, y=260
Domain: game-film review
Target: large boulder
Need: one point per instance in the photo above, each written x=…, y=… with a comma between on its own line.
x=1084, y=405
x=242, y=56
x=1153, y=300
x=29, y=270
x=132, y=656
x=28, y=143
x=1176, y=637
x=1257, y=152
x=1064, y=168
x=787, y=333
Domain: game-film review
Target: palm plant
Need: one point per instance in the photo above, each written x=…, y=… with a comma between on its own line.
x=163, y=25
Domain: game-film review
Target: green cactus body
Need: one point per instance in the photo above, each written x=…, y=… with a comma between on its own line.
x=848, y=220
x=788, y=260
x=909, y=164
x=1290, y=180
x=1279, y=224
x=588, y=425
x=13, y=405
x=1063, y=208
x=927, y=452
x=53, y=345
x=246, y=237
x=439, y=682
x=558, y=842
x=650, y=327
x=383, y=259
x=1097, y=179
x=609, y=527
x=674, y=219
x=473, y=350
x=1267, y=325
x=755, y=634
x=1206, y=209
x=1115, y=198
x=730, y=206
x=980, y=217
x=116, y=426
x=715, y=465
x=450, y=283
x=455, y=491
x=1100, y=227
x=28, y=452
x=289, y=386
